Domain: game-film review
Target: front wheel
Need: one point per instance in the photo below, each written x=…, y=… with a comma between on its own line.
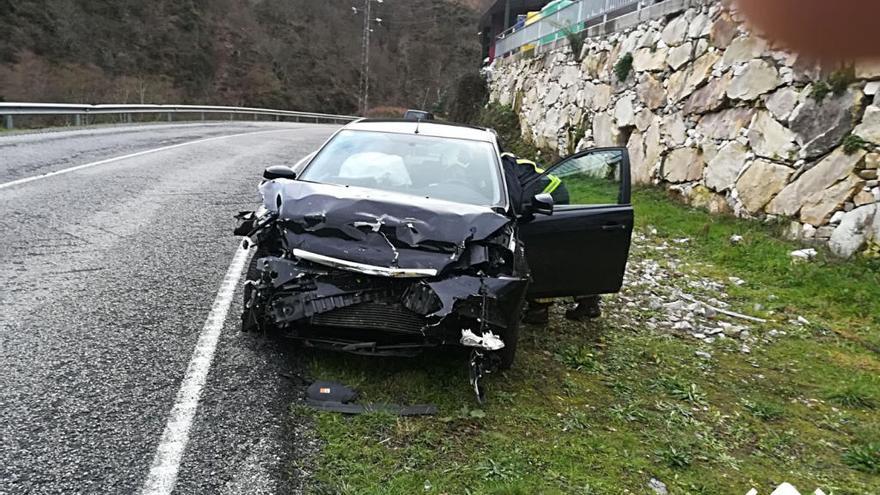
x=251, y=316
x=510, y=336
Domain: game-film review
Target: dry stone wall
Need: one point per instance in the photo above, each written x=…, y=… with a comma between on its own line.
x=717, y=114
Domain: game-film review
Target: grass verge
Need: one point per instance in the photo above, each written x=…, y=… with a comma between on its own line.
x=604, y=406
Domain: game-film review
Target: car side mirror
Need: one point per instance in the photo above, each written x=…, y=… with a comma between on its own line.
x=279, y=172
x=542, y=203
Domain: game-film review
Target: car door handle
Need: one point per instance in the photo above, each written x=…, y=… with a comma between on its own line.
x=613, y=226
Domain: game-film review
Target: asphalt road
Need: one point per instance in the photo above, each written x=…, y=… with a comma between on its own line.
x=108, y=274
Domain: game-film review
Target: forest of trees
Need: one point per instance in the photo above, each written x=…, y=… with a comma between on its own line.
x=292, y=54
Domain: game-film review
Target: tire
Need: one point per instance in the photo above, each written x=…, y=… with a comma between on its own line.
x=250, y=317
x=511, y=339
x=252, y=272
x=510, y=335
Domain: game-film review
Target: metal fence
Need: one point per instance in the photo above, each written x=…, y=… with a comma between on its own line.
x=125, y=112
x=574, y=18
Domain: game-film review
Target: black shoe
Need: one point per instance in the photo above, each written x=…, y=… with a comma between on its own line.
x=586, y=309
x=536, y=314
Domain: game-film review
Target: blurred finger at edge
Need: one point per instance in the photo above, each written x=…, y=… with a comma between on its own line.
x=828, y=29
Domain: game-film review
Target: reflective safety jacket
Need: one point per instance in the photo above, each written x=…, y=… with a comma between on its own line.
x=528, y=169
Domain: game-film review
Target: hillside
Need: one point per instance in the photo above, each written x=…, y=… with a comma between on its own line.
x=298, y=54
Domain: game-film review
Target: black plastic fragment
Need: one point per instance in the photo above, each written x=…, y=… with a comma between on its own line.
x=336, y=397
x=324, y=391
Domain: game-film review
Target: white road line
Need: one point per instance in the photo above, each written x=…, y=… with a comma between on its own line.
x=166, y=462
x=132, y=155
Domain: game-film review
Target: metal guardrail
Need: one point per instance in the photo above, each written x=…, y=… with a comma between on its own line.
x=8, y=110
x=575, y=17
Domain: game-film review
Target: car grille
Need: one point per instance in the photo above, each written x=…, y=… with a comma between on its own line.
x=373, y=316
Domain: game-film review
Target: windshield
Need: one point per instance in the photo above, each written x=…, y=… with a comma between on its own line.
x=441, y=168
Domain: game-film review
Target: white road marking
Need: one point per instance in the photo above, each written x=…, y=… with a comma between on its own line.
x=132, y=155
x=166, y=463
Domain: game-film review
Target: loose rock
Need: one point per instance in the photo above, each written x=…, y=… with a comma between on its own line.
x=803, y=254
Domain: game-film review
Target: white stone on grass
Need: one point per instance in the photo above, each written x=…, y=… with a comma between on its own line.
x=803, y=254
x=855, y=229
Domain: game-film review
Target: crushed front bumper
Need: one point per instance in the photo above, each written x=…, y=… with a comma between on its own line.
x=356, y=312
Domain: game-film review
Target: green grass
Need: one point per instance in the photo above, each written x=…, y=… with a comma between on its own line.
x=839, y=295
x=604, y=406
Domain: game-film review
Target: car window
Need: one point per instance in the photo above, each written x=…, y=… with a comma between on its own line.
x=457, y=170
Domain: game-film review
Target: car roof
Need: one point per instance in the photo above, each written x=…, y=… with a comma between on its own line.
x=431, y=128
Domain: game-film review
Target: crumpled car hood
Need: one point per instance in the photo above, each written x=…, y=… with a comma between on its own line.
x=377, y=227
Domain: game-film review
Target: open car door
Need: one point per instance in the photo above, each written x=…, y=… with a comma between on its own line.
x=582, y=248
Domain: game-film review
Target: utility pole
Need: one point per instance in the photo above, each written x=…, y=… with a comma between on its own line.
x=365, y=60
x=364, y=93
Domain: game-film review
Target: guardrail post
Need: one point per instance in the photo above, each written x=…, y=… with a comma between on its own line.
x=170, y=118
x=203, y=116
x=255, y=116
x=77, y=120
x=128, y=118
x=7, y=121
x=277, y=118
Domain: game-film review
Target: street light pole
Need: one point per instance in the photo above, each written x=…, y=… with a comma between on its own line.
x=366, y=61
x=365, y=58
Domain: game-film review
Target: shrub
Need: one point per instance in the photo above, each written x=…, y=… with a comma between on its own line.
x=766, y=411
x=575, y=40
x=854, y=395
x=836, y=83
x=439, y=106
x=675, y=457
x=580, y=358
x=471, y=94
x=864, y=458
x=853, y=143
x=840, y=79
x=504, y=120
x=820, y=91
x=623, y=67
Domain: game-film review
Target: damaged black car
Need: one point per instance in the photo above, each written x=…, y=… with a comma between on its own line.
x=399, y=236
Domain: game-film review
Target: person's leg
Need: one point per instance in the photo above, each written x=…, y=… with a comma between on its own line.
x=537, y=311
x=587, y=307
